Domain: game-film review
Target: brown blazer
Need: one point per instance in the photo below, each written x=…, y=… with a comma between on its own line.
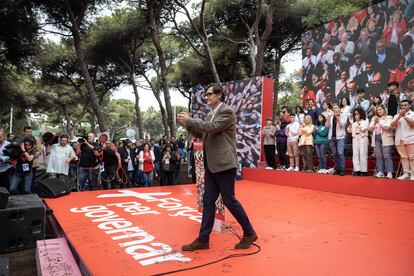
x=219, y=137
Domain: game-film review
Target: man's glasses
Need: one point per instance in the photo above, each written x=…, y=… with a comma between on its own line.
x=208, y=95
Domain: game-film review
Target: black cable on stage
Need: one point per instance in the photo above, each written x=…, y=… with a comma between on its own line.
x=231, y=229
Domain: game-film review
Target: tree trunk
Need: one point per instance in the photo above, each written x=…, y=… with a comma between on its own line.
x=163, y=113
x=259, y=59
x=212, y=64
x=262, y=40
x=277, y=67
x=163, y=66
x=92, y=121
x=137, y=108
x=252, y=56
x=103, y=126
x=67, y=125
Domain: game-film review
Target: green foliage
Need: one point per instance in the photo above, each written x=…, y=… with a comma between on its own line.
x=120, y=114
x=152, y=122
x=322, y=11
x=289, y=94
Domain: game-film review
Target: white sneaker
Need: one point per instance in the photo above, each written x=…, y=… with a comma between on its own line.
x=320, y=171
x=389, y=176
x=324, y=171
x=269, y=168
x=296, y=169
x=290, y=169
x=330, y=171
x=404, y=176
x=379, y=175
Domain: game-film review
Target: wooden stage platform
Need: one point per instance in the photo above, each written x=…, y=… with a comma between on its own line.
x=301, y=232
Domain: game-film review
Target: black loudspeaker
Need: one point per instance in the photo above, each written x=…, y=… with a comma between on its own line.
x=4, y=266
x=51, y=188
x=22, y=223
x=40, y=175
x=4, y=197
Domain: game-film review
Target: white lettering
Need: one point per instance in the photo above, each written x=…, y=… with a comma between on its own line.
x=115, y=224
x=125, y=204
x=151, y=252
x=172, y=257
x=145, y=237
x=109, y=218
x=88, y=209
x=128, y=193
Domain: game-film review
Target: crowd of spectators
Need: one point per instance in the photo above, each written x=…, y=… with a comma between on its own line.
x=365, y=50
x=89, y=163
x=312, y=132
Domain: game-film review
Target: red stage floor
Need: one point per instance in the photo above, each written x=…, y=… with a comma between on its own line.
x=301, y=232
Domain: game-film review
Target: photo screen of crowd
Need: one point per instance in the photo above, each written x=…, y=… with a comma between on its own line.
x=245, y=98
x=367, y=49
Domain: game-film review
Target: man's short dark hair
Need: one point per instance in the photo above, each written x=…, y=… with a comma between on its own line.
x=27, y=128
x=64, y=136
x=360, y=90
x=396, y=83
x=216, y=90
x=406, y=100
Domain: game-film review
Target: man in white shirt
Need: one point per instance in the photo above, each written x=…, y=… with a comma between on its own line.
x=325, y=56
x=308, y=66
x=357, y=68
x=404, y=138
x=61, y=155
x=346, y=48
x=292, y=133
x=309, y=59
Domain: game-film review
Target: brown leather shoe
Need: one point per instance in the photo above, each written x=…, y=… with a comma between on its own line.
x=246, y=241
x=195, y=245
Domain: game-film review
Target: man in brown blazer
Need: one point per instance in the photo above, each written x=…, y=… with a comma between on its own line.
x=218, y=131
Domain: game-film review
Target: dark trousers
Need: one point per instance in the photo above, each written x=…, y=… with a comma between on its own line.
x=270, y=155
x=215, y=184
x=307, y=155
x=108, y=177
x=168, y=178
x=5, y=179
x=281, y=151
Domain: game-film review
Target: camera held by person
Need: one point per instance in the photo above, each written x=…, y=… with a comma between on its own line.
x=13, y=150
